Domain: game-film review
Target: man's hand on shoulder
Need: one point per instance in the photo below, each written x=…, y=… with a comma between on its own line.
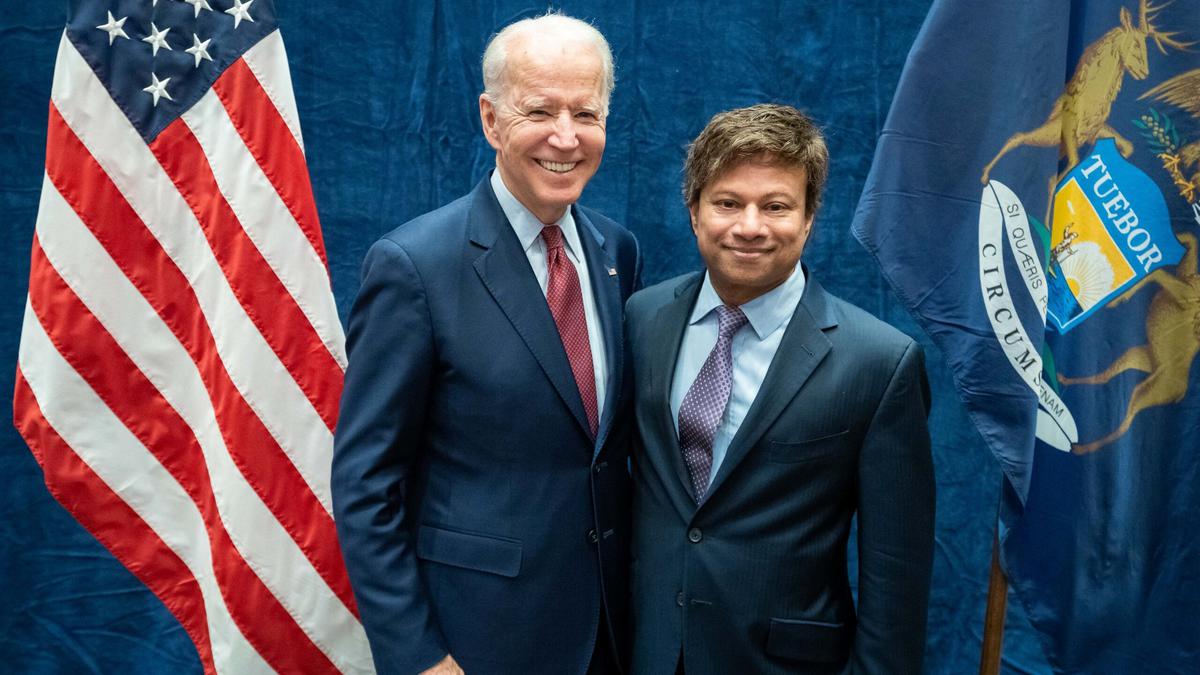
x=447, y=666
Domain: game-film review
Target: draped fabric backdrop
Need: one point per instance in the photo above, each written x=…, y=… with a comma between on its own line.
x=386, y=93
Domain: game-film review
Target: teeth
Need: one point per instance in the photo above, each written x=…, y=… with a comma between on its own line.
x=557, y=167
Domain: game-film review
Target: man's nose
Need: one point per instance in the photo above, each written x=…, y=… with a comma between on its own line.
x=750, y=223
x=564, y=137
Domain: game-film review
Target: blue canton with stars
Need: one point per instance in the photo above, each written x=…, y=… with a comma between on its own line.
x=158, y=57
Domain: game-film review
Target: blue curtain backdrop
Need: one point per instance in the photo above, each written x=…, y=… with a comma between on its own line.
x=387, y=93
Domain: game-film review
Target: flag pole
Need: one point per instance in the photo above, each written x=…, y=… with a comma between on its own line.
x=993, y=618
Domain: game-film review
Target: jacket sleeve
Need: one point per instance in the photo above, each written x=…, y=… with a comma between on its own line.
x=895, y=525
x=378, y=436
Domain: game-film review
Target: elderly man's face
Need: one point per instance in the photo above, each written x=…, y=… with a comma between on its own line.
x=751, y=226
x=548, y=131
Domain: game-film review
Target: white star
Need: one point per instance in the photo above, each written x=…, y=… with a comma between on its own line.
x=114, y=29
x=157, y=38
x=199, y=49
x=239, y=11
x=199, y=5
x=158, y=88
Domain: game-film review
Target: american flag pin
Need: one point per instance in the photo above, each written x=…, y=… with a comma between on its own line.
x=612, y=271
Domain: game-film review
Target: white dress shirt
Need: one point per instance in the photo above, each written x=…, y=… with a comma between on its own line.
x=753, y=347
x=529, y=233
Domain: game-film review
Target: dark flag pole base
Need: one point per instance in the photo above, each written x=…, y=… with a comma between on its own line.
x=993, y=617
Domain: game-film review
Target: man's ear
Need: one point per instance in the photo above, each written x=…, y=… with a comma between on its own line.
x=692, y=214
x=487, y=118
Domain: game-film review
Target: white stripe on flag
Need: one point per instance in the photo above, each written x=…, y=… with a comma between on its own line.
x=103, y=443
x=268, y=61
x=266, y=218
x=84, y=264
x=280, y=404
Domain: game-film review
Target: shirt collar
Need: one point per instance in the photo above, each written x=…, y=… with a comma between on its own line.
x=527, y=226
x=766, y=313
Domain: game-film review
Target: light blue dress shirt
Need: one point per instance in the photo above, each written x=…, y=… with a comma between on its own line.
x=529, y=233
x=753, y=348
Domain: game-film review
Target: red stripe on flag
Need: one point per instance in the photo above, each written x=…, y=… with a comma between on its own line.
x=266, y=300
x=91, y=350
x=272, y=144
x=267, y=468
x=110, y=520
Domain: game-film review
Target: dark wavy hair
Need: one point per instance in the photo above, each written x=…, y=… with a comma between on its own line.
x=775, y=134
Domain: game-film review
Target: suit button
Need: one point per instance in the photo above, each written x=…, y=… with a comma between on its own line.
x=595, y=468
x=679, y=598
x=591, y=537
x=695, y=535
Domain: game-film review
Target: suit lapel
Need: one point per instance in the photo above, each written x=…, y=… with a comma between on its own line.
x=669, y=325
x=504, y=270
x=606, y=290
x=801, y=350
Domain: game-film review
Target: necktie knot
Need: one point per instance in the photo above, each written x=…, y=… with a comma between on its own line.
x=730, y=320
x=553, y=236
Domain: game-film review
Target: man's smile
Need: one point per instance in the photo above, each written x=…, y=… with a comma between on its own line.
x=556, y=167
x=747, y=252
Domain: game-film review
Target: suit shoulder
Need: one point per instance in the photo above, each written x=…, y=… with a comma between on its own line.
x=607, y=226
x=869, y=333
x=626, y=243
x=440, y=230
x=650, y=299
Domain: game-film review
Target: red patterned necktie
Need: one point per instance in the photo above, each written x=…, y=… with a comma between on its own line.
x=566, y=304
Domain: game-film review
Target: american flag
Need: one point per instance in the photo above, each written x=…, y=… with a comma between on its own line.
x=181, y=357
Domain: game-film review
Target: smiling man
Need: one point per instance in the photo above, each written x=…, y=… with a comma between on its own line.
x=769, y=413
x=480, y=481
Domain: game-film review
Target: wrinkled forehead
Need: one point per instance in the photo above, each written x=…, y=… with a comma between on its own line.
x=554, y=63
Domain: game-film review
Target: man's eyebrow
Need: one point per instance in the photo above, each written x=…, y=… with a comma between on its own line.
x=536, y=101
x=723, y=194
x=531, y=102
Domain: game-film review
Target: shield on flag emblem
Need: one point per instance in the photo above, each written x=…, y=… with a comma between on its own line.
x=1110, y=229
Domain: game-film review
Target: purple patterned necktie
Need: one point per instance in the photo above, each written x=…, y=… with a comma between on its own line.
x=704, y=404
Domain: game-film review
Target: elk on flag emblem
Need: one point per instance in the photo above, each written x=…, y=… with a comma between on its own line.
x=181, y=357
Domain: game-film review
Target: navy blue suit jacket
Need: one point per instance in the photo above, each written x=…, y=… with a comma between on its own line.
x=477, y=515
x=754, y=579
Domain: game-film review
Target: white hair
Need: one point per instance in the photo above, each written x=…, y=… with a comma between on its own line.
x=495, y=56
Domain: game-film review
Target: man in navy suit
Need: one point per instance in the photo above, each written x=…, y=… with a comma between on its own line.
x=769, y=413
x=480, y=481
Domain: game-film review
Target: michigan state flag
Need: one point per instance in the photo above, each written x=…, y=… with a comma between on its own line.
x=1035, y=203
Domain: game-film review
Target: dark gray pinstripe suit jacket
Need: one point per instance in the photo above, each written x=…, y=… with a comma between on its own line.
x=754, y=579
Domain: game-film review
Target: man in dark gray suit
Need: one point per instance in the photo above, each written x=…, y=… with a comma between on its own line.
x=770, y=413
